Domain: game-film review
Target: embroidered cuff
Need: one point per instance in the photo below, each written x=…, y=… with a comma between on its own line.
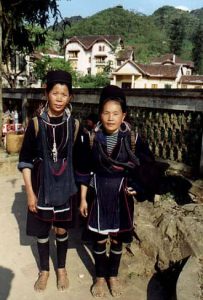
x=23, y=165
x=82, y=178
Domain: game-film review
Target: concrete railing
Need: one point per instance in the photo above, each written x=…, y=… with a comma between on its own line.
x=171, y=119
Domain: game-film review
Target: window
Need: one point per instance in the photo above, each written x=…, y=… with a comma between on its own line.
x=101, y=48
x=22, y=83
x=167, y=86
x=73, y=54
x=89, y=59
x=126, y=85
x=89, y=71
x=154, y=86
x=100, y=59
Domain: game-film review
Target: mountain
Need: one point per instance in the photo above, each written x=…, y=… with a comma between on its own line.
x=149, y=35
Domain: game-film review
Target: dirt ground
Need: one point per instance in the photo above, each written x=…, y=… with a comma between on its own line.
x=19, y=260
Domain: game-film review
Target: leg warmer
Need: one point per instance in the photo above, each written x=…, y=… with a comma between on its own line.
x=43, y=251
x=99, y=253
x=62, y=247
x=114, y=259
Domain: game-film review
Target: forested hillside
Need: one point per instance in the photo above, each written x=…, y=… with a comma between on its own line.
x=167, y=30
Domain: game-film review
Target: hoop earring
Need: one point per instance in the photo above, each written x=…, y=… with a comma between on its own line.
x=46, y=105
x=98, y=126
x=126, y=125
x=69, y=106
x=45, y=108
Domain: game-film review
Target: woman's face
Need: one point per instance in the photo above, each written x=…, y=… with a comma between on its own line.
x=58, y=98
x=112, y=116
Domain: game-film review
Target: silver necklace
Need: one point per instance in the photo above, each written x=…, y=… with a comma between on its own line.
x=54, y=150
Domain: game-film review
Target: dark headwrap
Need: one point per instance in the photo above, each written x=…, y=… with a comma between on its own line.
x=60, y=76
x=112, y=92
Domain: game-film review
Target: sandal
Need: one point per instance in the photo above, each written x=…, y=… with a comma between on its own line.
x=115, y=287
x=98, y=288
x=62, y=279
x=41, y=283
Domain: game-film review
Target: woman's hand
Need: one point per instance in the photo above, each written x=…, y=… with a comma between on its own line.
x=32, y=202
x=83, y=208
x=31, y=197
x=83, y=203
x=130, y=191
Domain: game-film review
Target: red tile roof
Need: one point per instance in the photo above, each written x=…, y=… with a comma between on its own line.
x=124, y=54
x=195, y=79
x=173, y=59
x=158, y=71
x=166, y=71
x=88, y=41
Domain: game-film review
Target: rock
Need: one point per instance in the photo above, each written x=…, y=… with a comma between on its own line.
x=168, y=232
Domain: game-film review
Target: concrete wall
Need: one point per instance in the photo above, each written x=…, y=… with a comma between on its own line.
x=86, y=101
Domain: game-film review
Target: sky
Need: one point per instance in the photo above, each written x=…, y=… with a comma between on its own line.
x=85, y=8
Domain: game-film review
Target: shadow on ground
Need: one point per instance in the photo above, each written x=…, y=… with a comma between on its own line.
x=164, y=282
x=178, y=186
x=6, y=277
x=19, y=209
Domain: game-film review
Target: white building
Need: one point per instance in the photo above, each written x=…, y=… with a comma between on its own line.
x=169, y=71
x=91, y=54
x=135, y=75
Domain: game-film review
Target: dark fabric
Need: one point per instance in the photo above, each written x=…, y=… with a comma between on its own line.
x=110, y=199
x=29, y=149
x=112, y=92
x=124, y=236
x=100, y=259
x=60, y=76
x=62, y=247
x=32, y=147
x=57, y=182
x=82, y=157
x=122, y=162
x=105, y=209
x=38, y=227
x=43, y=251
x=114, y=259
x=32, y=153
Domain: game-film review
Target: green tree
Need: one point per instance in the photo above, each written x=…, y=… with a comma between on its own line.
x=93, y=81
x=15, y=15
x=176, y=36
x=197, y=51
x=46, y=64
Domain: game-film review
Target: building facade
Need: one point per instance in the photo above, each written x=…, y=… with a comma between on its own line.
x=93, y=54
x=168, y=71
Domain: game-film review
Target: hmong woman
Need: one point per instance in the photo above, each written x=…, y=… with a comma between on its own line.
x=46, y=164
x=104, y=174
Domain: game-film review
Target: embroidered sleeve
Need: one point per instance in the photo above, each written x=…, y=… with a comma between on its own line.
x=29, y=148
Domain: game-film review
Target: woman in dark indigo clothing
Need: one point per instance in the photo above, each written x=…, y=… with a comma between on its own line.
x=104, y=173
x=46, y=164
